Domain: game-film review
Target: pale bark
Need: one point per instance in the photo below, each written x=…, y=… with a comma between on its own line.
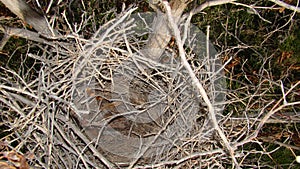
x=162, y=34
x=287, y=6
x=30, y=35
x=29, y=15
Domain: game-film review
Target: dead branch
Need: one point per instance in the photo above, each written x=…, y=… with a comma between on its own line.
x=286, y=5
x=23, y=33
x=44, y=115
x=207, y=4
x=161, y=33
x=29, y=15
x=196, y=82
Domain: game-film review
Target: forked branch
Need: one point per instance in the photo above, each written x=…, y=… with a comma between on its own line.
x=197, y=83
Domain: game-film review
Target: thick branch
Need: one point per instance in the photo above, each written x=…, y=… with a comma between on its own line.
x=23, y=33
x=29, y=15
x=287, y=6
x=161, y=32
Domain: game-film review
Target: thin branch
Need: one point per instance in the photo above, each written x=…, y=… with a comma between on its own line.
x=277, y=107
x=196, y=82
x=287, y=6
x=209, y=4
x=177, y=162
x=252, y=9
x=282, y=144
x=23, y=33
x=4, y=40
x=96, y=153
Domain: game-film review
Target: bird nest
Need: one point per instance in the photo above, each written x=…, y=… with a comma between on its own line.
x=104, y=102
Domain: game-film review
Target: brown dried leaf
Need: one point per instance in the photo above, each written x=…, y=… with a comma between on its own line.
x=110, y=106
x=296, y=139
x=4, y=165
x=16, y=159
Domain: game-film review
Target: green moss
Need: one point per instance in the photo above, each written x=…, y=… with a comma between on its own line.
x=292, y=43
x=283, y=157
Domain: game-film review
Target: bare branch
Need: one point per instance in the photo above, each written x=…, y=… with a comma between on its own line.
x=287, y=6
x=29, y=15
x=81, y=94
x=196, y=82
x=161, y=36
x=23, y=33
x=176, y=162
x=209, y=4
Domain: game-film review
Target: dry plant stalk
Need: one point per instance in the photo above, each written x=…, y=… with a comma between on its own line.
x=40, y=117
